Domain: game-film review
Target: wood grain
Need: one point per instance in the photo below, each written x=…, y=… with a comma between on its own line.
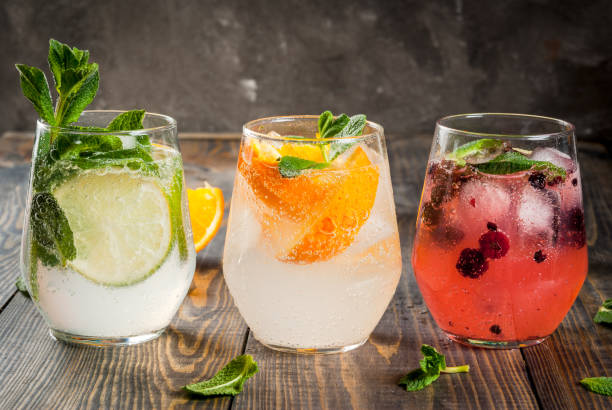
x=208, y=331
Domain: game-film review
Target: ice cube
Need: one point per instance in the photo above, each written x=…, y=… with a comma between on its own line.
x=554, y=156
x=538, y=212
x=483, y=201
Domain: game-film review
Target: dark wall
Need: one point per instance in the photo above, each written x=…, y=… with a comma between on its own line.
x=215, y=64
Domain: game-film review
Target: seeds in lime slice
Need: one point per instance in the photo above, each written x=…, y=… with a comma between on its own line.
x=121, y=225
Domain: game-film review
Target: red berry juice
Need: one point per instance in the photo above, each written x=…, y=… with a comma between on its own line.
x=499, y=259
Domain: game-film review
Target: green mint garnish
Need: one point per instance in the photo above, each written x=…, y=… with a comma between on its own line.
x=511, y=162
x=36, y=89
x=604, y=314
x=51, y=230
x=129, y=120
x=290, y=166
x=229, y=380
x=432, y=364
x=327, y=127
x=477, y=152
x=600, y=385
x=21, y=286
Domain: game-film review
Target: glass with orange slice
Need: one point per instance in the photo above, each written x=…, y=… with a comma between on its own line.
x=312, y=255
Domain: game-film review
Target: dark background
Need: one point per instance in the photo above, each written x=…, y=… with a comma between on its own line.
x=213, y=65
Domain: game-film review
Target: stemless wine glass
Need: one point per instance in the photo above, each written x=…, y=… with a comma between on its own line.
x=499, y=253
x=311, y=258
x=107, y=250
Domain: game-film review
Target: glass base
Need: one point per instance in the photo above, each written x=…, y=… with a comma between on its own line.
x=313, y=351
x=494, y=344
x=103, y=341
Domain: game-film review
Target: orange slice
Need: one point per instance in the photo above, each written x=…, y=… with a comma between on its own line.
x=206, y=212
x=333, y=229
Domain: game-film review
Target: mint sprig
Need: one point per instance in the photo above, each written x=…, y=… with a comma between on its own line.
x=477, y=152
x=511, y=162
x=604, y=313
x=229, y=380
x=600, y=385
x=327, y=127
x=432, y=364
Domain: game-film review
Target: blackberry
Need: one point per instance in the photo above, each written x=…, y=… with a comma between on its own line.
x=472, y=263
x=491, y=226
x=430, y=215
x=537, y=180
x=494, y=244
x=495, y=329
x=572, y=228
x=539, y=256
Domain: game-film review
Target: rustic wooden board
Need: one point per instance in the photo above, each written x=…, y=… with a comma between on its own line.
x=208, y=331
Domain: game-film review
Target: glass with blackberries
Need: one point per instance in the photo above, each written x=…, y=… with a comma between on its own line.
x=500, y=250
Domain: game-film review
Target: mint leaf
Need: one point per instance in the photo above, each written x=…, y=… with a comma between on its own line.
x=63, y=58
x=36, y=89
x=432, y=364
x=600, y=385
x=511, y=162
x=477, y=152
x=229, y=380
x=290, y=167
x=176, y=210
x=21, y=286
x=353, y=128
x=51, y=230
x=127, y=121
x=325, y=120
x=604, y=314
x=335, y=126
x=71, y=104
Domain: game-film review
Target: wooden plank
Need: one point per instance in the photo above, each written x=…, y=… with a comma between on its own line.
x=367, y=377
x=206, y=333
x=580, y=348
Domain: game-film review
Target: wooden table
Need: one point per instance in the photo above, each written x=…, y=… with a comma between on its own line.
x=38, y=372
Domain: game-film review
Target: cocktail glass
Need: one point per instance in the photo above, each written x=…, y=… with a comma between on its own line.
x=311, y=260
x=107, y=251
x=500, y=250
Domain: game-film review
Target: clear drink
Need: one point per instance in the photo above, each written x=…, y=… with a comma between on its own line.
x=311, y=260
x=500, y=250
x=107, y=250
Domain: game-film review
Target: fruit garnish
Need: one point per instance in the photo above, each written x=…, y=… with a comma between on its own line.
x=206, y=212
x=511, y=162
x=491, y=226
x=432, y=364
x=604, y=313
x=328, y=127
x=472, y=263
x=477, y=152
x=537, y=180
x=600, y=385
x=494, y=244
x=329, y=230
x=229, y=380
x=539, y=256
x=122, y=226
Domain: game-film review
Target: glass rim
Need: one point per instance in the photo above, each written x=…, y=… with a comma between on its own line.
x=566, y=128
x=170, y=124
x=247, y=131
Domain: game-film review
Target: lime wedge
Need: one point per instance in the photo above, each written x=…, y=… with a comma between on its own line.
x=121, y=225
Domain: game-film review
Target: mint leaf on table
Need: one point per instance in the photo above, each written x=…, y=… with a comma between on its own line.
x=477, y=152
x=600, y=385
x=604, y=314
x=36, y=89
x=51, y=229
x=511, y=162
x=290, y=167
x=432, y=364
x=229, y=380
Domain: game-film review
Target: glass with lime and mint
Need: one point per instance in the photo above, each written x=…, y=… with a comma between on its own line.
x=107, y=250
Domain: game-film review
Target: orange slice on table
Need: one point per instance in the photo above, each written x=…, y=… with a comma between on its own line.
x=206, y=212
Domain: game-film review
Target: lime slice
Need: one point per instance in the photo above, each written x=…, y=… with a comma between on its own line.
x=121, y=225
